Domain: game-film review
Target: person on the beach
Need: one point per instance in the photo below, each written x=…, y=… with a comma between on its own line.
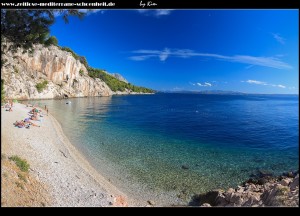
x=19, y=124
x=34, y=111
x=34, y=117
x=30, y=122
x=47, y=111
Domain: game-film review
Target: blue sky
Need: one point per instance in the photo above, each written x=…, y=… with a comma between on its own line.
x=254, y=51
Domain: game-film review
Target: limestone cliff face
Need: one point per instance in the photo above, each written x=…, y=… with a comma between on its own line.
x=66, y=76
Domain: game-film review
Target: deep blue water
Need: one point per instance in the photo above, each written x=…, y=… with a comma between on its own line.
x=142, y=141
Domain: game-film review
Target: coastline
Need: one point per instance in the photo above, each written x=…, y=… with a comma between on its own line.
x=54, y=161
x=61, y=176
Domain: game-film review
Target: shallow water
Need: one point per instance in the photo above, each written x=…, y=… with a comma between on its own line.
x=140, y=142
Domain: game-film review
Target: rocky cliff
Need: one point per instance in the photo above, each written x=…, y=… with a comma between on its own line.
x=263, y=191
x=65, y=75
x=119, y=77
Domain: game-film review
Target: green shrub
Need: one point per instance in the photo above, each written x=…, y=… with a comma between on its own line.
x=67, y=49
x=114, y=84
x=41, y=86
x=21, y=163
x=82, y=59
x=81, y=72
x=2, y=91
x=51, y=41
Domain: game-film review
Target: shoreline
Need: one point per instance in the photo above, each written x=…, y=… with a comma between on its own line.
x=70, y=180
x=54, y=161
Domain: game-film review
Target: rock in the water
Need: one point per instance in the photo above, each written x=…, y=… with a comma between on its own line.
x=264, y=173
x=230, y=190
x=240, y=189
x=236, y=199
x=272, y=191
x=210, y=197
x=285, y=182
x=185, y=167
x=295, y=183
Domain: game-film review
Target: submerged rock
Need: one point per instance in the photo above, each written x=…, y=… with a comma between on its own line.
x=264, y=173
x=185, y=167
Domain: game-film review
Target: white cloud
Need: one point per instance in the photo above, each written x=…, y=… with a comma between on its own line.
x=156, y=12
x=278, y=38
x=263, y=83
x=186, y=53
x=256, y=82
x=140, y=58
x=164, y=54
x=206, y=84
x=279, y=86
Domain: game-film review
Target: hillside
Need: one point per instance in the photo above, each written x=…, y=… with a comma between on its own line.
x=55, y=72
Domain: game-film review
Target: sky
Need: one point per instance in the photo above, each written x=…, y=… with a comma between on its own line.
x=251, y=51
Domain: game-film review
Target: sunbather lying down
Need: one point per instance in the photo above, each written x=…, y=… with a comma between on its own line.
x=20, y=124
x=25, y=123
x=30, y=122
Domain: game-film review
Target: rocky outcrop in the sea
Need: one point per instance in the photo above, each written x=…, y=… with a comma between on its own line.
x=66, y=76
x=266, y=191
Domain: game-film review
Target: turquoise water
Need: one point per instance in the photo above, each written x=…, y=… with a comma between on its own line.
x=140, y=142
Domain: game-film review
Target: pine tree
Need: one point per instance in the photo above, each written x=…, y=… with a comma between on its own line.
x=23, y=28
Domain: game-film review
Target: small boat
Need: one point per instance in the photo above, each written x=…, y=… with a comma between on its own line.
x=68, y=102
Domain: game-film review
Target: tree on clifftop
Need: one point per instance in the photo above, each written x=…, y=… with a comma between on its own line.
x=23, y=28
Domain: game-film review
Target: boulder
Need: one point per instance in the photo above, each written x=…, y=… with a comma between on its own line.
x=185, y=167
x=295, y=183
x=210, y=197
x=285, y=182
x=205, y=205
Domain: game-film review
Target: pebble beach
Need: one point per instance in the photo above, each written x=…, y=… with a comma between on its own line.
x=68, y=178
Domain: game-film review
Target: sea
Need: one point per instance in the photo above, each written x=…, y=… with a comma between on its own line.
x=167, y=147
